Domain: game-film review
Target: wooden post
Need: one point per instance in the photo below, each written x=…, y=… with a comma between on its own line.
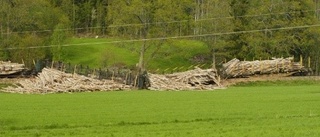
x=126, y=79
x=135, y=81
x=309, y=62
x=52, y=64
x=74, y=69
x=112, y=78
x=301, y=60
x=34, y=63
x=23, y=62
x=94, y=73
x=62, y=67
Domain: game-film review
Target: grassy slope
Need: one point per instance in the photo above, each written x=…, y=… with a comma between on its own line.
x=171, y=54
x=238, y=111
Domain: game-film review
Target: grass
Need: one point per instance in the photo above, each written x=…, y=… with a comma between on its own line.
x=98, y=53
x=238, y=111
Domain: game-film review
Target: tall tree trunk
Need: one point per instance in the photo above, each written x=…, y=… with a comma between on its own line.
x=141, y=58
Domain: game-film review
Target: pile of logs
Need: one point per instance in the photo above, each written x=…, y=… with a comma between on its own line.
x=196, y=79
x=8, y=68
x=236, y=68
x=54, y=81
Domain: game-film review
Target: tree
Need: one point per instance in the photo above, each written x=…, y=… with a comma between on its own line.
x=211, y=18
x=28, y=26
x=239, y=42
x=58, y=38
x=152, y=17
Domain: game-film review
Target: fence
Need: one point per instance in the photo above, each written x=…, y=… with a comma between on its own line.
x=125, y=76
x=129, y=76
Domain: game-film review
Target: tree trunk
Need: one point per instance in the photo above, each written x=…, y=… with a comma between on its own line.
x=141, y=58
x=213, y=57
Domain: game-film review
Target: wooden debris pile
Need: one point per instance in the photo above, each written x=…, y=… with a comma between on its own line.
x=8, y=68
x=196, y=79
x=236, y=68
x=54, y=81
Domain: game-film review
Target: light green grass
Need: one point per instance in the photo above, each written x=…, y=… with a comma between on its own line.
x=267, y=111
x=102, y=52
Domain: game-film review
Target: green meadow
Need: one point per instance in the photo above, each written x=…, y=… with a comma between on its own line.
x=106, y=52
x=242, y=111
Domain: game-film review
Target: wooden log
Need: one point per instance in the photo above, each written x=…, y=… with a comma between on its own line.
x=54, y=81
x=236, y=68
x=196, y=79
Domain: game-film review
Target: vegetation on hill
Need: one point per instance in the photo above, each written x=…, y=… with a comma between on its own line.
x=243, y=29
x=103, y=52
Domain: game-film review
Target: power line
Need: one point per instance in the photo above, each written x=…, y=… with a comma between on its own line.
x=168, y=22
x=166, y=38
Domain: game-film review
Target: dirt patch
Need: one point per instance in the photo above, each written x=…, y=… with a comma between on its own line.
x=271, y=77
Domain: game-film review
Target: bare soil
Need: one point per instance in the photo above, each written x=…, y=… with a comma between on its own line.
x=270, y=77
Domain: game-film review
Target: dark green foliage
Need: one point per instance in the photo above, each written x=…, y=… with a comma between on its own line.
x=244, y=29
x=25, y=26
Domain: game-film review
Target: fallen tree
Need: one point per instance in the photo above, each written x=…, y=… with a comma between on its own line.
x=236, y=68
x=196, y=79
x=54, y=81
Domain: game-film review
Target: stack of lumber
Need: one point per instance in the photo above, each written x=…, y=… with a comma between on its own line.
x=53, y=81
x=196, y=79
x=236, y=68
x=8, y=68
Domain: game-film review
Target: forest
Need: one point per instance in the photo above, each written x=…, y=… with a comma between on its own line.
x=242, y=29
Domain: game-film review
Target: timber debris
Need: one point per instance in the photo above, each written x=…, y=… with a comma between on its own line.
x=8, y=69
x=236, y=68
x=197, y=79
x=54, y=81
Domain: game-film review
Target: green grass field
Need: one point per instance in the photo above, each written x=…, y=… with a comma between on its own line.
x=102, y=52
x=265, y=111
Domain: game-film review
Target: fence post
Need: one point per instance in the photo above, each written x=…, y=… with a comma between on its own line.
x=23, y=62
x=34, y=63
x=309, y=62
x=100, y=71
x=52, y=63
x=301, y=60
x=126, y=78
x=74, y=69
x=69, y=68
x=62, y=66
x=135, y=81
x=112, y=77
x=94, y=73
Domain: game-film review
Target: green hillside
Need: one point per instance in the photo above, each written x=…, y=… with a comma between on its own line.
x=105, y=52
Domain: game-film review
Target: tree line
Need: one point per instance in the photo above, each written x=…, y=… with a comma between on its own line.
x=244, y=29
